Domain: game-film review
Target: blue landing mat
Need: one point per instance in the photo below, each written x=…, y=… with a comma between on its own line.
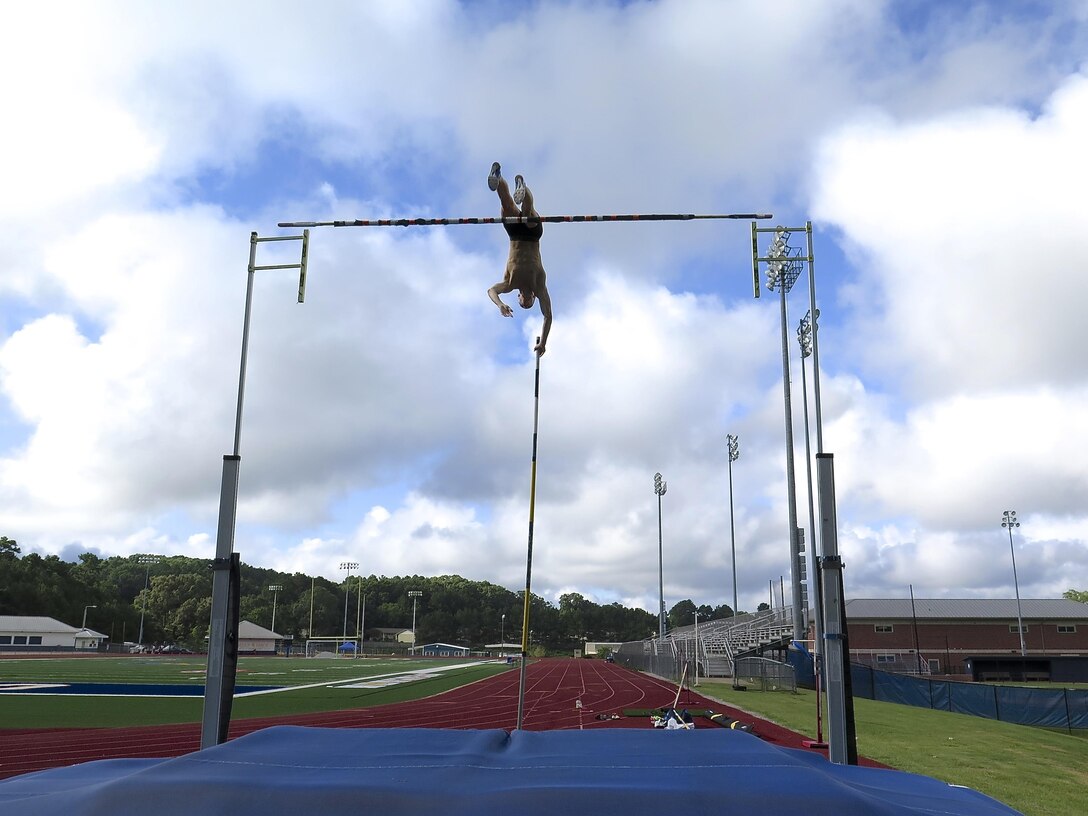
x=292, y=771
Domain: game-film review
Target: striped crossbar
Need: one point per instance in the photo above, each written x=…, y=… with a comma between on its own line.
x=521, y=219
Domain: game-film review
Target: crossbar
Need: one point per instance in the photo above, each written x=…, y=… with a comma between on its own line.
x=521, y=219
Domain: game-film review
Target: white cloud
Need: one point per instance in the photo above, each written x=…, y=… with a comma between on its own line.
x=966, y=229
x=388, y=419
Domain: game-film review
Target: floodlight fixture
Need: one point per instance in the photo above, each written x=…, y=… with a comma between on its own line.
x=804, y=334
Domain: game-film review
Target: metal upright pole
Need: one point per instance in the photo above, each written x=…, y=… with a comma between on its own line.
x=222, y=634
x=842, y=737
x=218, y=636
x=529, y=550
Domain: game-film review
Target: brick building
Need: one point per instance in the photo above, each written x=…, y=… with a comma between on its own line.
x=975, y=636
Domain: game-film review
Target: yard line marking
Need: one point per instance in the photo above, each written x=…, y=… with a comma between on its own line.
x=345, y=683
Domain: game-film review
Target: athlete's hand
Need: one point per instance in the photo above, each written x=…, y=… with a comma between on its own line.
x=506, y=311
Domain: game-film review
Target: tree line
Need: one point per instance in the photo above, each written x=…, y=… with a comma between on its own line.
x=172, y=596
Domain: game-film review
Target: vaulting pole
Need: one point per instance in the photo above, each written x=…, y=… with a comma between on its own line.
x=523, y=219
x=529, y=556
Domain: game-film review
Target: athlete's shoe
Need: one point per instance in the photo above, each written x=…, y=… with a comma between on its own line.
x=519, y=190
x=494, y=176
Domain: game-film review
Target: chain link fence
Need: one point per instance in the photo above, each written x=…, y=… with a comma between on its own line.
x=764, y=674
x=651, y=656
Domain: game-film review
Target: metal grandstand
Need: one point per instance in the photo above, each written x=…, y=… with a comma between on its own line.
x=715, y=646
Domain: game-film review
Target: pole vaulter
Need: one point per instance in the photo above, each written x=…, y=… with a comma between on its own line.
x=524, y=219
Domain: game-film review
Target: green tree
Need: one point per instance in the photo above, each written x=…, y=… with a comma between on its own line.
x=181, y=606
x=453, y=609
x=682, y=614
x=722, y=611
x=1076, y=595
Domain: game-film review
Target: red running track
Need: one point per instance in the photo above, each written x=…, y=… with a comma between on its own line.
x=553, y=689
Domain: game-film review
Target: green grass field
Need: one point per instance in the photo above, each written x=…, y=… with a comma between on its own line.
x=1037, y=771
x=308, y=677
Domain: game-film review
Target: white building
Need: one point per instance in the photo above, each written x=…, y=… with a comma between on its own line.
x=253, y=638
x=20, y=633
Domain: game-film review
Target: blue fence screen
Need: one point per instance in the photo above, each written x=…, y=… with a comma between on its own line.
x=1051, y=708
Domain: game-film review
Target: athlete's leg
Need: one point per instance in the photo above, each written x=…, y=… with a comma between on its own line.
x=497, y=183
x=523, y=197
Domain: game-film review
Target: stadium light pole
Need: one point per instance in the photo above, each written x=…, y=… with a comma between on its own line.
x=360, y=616
x=502, y=633
x=804, y=339
x=147, y=560
x=696, y=647
x=275, y=589
x=733, y=444
x=91, y=606
x=660, y=488
x=313, y=583
x=782, y=273
x=415, y=595
x=1008, y=521
x=348, y=566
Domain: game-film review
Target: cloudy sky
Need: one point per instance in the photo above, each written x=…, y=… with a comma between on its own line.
x=937, y=148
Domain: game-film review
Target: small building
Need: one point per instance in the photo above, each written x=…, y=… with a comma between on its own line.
x=256, y=639
x=442, y=650
x=21, y=633
x=386, y=634
x=979, y=637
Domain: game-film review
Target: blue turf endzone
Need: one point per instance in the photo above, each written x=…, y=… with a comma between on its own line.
x=122, y=689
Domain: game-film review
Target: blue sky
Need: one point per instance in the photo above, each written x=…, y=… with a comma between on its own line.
x=937, y=149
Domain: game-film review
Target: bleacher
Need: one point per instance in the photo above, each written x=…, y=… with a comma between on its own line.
x=720, y=642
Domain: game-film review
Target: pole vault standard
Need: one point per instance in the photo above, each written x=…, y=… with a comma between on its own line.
x=222, y=644
x=524, y=219
x=223, y=634
x=529, y=555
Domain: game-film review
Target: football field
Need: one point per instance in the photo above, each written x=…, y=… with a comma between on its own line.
x=132, y=690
